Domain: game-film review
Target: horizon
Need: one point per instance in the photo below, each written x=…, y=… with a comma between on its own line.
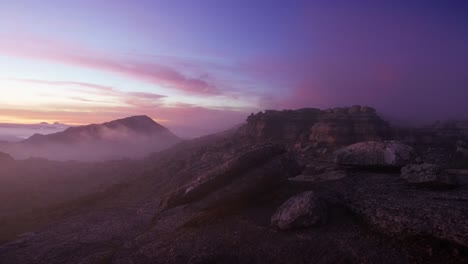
x=233, y=131
x=15, y=132
x=227, y=60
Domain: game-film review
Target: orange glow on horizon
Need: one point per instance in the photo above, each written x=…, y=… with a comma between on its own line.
x=37, y=120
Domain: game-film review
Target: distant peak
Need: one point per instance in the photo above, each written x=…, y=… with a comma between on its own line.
x=139, y=119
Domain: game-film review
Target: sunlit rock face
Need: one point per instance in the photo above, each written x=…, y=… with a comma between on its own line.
x=333, y=127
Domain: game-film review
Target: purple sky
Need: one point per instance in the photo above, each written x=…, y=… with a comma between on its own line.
x=201, y=66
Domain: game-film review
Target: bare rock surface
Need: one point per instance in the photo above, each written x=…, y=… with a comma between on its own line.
x=221, y=192
x=343, y=126
x=333, y=127
x=430, y=175
x=375, y=154
x=222, y=175
x=303, y=210
x=395, y=209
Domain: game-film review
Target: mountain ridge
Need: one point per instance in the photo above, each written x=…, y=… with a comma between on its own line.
x=140, y=124
x=130, y=137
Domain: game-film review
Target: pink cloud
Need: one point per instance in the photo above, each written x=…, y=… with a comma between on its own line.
x=175, y=117
x=138, y=99
x=32, y=47
x=62, y=83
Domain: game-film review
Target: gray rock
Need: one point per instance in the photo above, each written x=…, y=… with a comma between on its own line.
x=427, y=175
x=222, y=175
x=303, y=210
x=402, y=212
x=375, y=154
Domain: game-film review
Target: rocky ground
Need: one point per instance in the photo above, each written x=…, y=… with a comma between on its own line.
x=284, y=188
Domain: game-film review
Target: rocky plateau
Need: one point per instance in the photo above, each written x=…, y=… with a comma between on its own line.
x=296, y=186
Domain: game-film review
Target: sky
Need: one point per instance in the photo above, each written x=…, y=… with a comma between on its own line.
x=202, y=66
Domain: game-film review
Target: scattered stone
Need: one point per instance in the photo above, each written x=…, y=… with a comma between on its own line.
x=300, y=211
x=375, y=154
x=427, y=175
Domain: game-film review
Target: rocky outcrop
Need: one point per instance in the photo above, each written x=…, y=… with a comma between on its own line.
x=429, y=175
x=223, y=175
x=375, y=154
x=343, y=126
x=394, y=209
x=333, y=127
x=462, y=147
x=300, y=211
x=320, y=172
x=287, y=125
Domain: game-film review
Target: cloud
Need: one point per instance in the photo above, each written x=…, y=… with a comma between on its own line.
x=62, y=83
x=33, y=47
x=183, y=119
x=138, y=99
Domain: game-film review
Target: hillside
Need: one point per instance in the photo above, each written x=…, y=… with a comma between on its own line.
x=283, y=188
x=132, y=137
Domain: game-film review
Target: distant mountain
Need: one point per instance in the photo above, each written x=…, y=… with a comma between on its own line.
x=132, y=137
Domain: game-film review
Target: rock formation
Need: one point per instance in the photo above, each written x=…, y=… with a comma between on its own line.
x=343, y=126
x=430, y=175
x=226, y=173
x=375, y=154
x=226, y=198
x=302, y=210
x=334, y=127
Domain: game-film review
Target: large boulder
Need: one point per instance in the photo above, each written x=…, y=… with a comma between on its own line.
x=223, y=174
x=427, y=175
x=462, y=147
x=375, y=154
x=391, y=208
x=320, y=172
x=300, y=211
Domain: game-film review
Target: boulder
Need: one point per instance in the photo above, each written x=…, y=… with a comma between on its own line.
x=300, y=211
x=320, y=172
x=250, y=185
x=462, y=148
x=384, y=203
x=427, y=175
x=222, y=175
x=375, y=154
